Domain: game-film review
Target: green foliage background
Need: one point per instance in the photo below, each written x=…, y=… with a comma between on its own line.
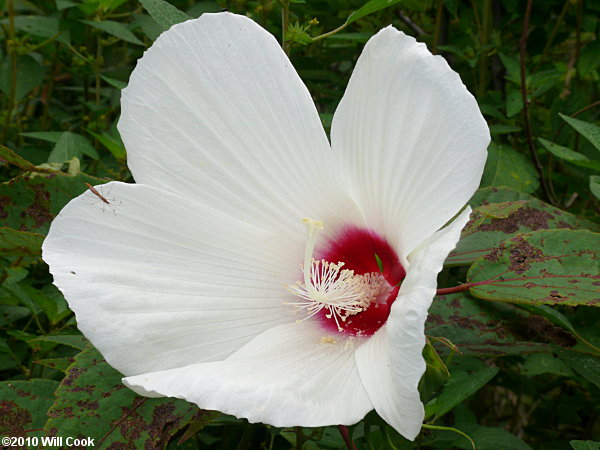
x=513, y=356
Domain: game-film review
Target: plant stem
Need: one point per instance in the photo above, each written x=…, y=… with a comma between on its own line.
x=575, y=114
x=285, y=23
x=46, y=42
x=47, y=95
x=10, y=48
x=436, y=427
x=559, y=20
x=408, y=21
x=346, y=437
x=330, y=33
x=531, y=145
x=97, y=67
x=455, y=289
x=483, y=42
x=438, y=26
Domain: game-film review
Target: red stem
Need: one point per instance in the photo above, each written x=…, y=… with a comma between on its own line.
x=462, y=287
x=452, y=290
x=346, y=437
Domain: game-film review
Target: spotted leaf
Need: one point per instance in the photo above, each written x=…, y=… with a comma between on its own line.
x=541, y=267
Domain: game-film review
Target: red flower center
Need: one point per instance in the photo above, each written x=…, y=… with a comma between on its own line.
x=364, y=252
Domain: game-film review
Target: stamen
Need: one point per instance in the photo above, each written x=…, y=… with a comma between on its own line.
x=327, y=286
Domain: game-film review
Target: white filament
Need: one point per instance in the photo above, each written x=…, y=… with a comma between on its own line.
x=327, y=285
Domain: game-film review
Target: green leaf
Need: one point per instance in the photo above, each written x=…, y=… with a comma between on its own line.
x=148, y=25
x=114, y=83
x=64, y=4
x=461, y=386
x=541, y=267
x=110, y=5
x=507, y=167
x=489, y=438
x=165, y=14
x=7, y=156
x=37, y=25
x=29, y=203
x=482, y=328
x=204, y=6
x=589, y=130
x=501, y=210
x=587, y=366
x=585, y=445
x=113, y=144
x=200, y=420
x=552, y=315
x=436, y=372
x=484, y=232
x=512, y=67
x=115, y=29
x=42, y=26
x=10, y=314
x=569, y=155
x=514, y=103
x=24, y=406
x=50, y=136
x=61, y=364
x=49, y=300
x=543, y=363
x=595, y=185
x=503, y=129
x=76, y=341
x=20, y=243
x=69, y=146
x=588, y=59
x=296, y=33
x=29, y=75
x=369, y=8
x=92, y=401
x=18, y=292
x=8, y=360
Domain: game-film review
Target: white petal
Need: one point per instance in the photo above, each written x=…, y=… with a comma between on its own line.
x=158, y=281
x=215, y=110
x=412, y=137
x=290, y=375
x=390, y=363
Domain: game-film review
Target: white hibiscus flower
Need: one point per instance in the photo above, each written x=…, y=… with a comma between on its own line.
x=205, y=283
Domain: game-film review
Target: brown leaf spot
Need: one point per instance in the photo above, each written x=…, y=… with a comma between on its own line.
x=533, y=219
x=468, y=323
x=522, y=254
x=563, y=224
x=87, y=389
x=117, y=446
x=435, y=319
x=73, y=374
x=13, y=419
x=534, y=328
x=4, y=201
x=88, y=405
x=39, y=210
x=64, y=412
x=555, y=297
x=495, y=253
